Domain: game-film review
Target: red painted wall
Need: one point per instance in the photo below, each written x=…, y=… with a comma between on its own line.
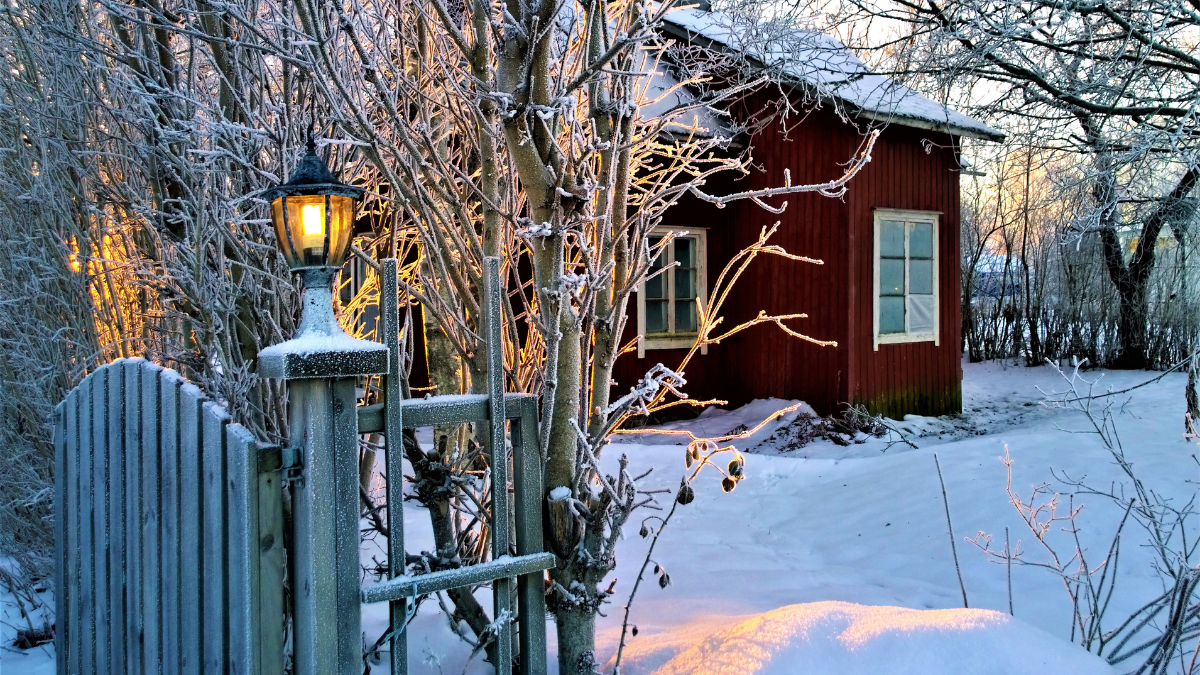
x=837, y=296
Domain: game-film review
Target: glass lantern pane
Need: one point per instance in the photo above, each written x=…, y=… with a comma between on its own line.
x=281, y=233
x=920, y=241
x=341, y=211
x=920, y=313
x=920, y=279
x=685, y=316
x=891, y=277
x=306, y=228
x=656, y=316
x=891, y=315
x=891, y=239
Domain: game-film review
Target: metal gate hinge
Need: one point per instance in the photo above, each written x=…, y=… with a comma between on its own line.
x=292, y=464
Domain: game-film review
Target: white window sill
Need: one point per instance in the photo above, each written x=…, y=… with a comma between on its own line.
x=904, y=338
x=648, y=342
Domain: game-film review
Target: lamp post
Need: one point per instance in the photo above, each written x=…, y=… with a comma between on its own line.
x=313, y=214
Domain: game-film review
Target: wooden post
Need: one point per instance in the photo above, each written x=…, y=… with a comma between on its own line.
x=321, y=365
x=389, y=306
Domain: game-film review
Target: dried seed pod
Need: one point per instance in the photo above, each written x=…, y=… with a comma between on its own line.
x=685, y=495
x=644, y=532
x=687, y=460
x=727, y=484
x=695, y=453
x=664, y=580
x=634, y=631
x=735, y=467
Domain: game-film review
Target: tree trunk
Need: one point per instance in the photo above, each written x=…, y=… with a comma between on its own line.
x=576, y=641
x=1131, y=326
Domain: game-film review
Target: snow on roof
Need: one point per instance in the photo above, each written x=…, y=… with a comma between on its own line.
x=826, y=64
x=661, y=95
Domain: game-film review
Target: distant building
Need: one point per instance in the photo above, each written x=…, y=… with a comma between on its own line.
x=888, y=292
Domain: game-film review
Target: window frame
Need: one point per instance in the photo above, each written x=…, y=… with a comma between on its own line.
x=908, y=218
x=674, y=340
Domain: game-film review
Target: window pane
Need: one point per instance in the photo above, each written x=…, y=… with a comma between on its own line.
x=685, y=316
x=920, y=316
x=658, y=262
x=656, y=316
x=891, y=239
x=891, y=277
x=685, y=284
x=920, y=241
x=685, y=252
x=656, y=288
x=891, y=315
x=920, y=277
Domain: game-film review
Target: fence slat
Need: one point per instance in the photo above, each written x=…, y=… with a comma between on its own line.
x=242, y=464
x=61, y=598
x=116, y=516
x=527, y=486
x=101, y=606
x=87, y=527
x=75, y=523
x=172, y=644
x=271, y=563
x=191, y=439
x=214, y=518
x=151, y=577
x=132, y=421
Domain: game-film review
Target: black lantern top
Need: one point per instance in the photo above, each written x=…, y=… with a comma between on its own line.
x=313, y=214
x=312, y=177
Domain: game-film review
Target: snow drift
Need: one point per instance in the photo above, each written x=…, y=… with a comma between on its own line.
x=842, y=638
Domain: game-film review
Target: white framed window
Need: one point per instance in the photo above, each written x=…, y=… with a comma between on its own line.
x=668, y=304
x=906, y=276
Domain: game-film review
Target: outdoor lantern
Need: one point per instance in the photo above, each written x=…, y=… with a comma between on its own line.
x=313, y=214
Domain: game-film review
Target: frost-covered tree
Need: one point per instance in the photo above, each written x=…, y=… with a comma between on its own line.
x=551, y=133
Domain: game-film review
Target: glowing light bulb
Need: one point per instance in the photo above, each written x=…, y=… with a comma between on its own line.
x=310, y=215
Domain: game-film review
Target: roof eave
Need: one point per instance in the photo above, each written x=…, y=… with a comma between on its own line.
x=944, y=127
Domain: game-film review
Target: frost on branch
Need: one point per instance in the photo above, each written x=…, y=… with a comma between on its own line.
x=645, y=391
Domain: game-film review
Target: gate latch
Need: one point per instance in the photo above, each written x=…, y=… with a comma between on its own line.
x=292, y=465
x=287, y=461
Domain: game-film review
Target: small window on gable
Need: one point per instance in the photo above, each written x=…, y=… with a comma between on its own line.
x=906, y=277
x=669, y=301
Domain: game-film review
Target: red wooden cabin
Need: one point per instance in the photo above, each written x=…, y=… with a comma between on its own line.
x=888, y=291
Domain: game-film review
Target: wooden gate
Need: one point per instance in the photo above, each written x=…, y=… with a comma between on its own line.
x=169, y=537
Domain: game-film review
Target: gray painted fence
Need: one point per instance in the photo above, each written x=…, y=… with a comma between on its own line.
x=169, y=537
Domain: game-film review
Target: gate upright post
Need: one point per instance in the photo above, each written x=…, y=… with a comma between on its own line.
x=321, y=365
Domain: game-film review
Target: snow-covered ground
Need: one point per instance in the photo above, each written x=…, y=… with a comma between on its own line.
x=864, y=524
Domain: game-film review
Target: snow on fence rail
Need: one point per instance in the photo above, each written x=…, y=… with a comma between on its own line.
x=169, y=538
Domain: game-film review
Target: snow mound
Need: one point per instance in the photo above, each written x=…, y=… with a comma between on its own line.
x=841, y=638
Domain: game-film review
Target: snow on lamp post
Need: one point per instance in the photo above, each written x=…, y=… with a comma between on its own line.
x=313, y=214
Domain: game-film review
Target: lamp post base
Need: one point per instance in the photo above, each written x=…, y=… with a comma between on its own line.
x=321, y=349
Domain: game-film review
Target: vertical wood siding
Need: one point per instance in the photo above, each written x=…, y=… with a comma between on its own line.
x=915, y=378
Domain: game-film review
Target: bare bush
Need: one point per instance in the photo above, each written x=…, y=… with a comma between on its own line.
x=1158, y=637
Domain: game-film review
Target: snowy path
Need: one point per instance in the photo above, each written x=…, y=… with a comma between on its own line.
x=827, y=523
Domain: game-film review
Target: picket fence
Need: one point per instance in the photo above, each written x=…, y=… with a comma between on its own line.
x=169, y=536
